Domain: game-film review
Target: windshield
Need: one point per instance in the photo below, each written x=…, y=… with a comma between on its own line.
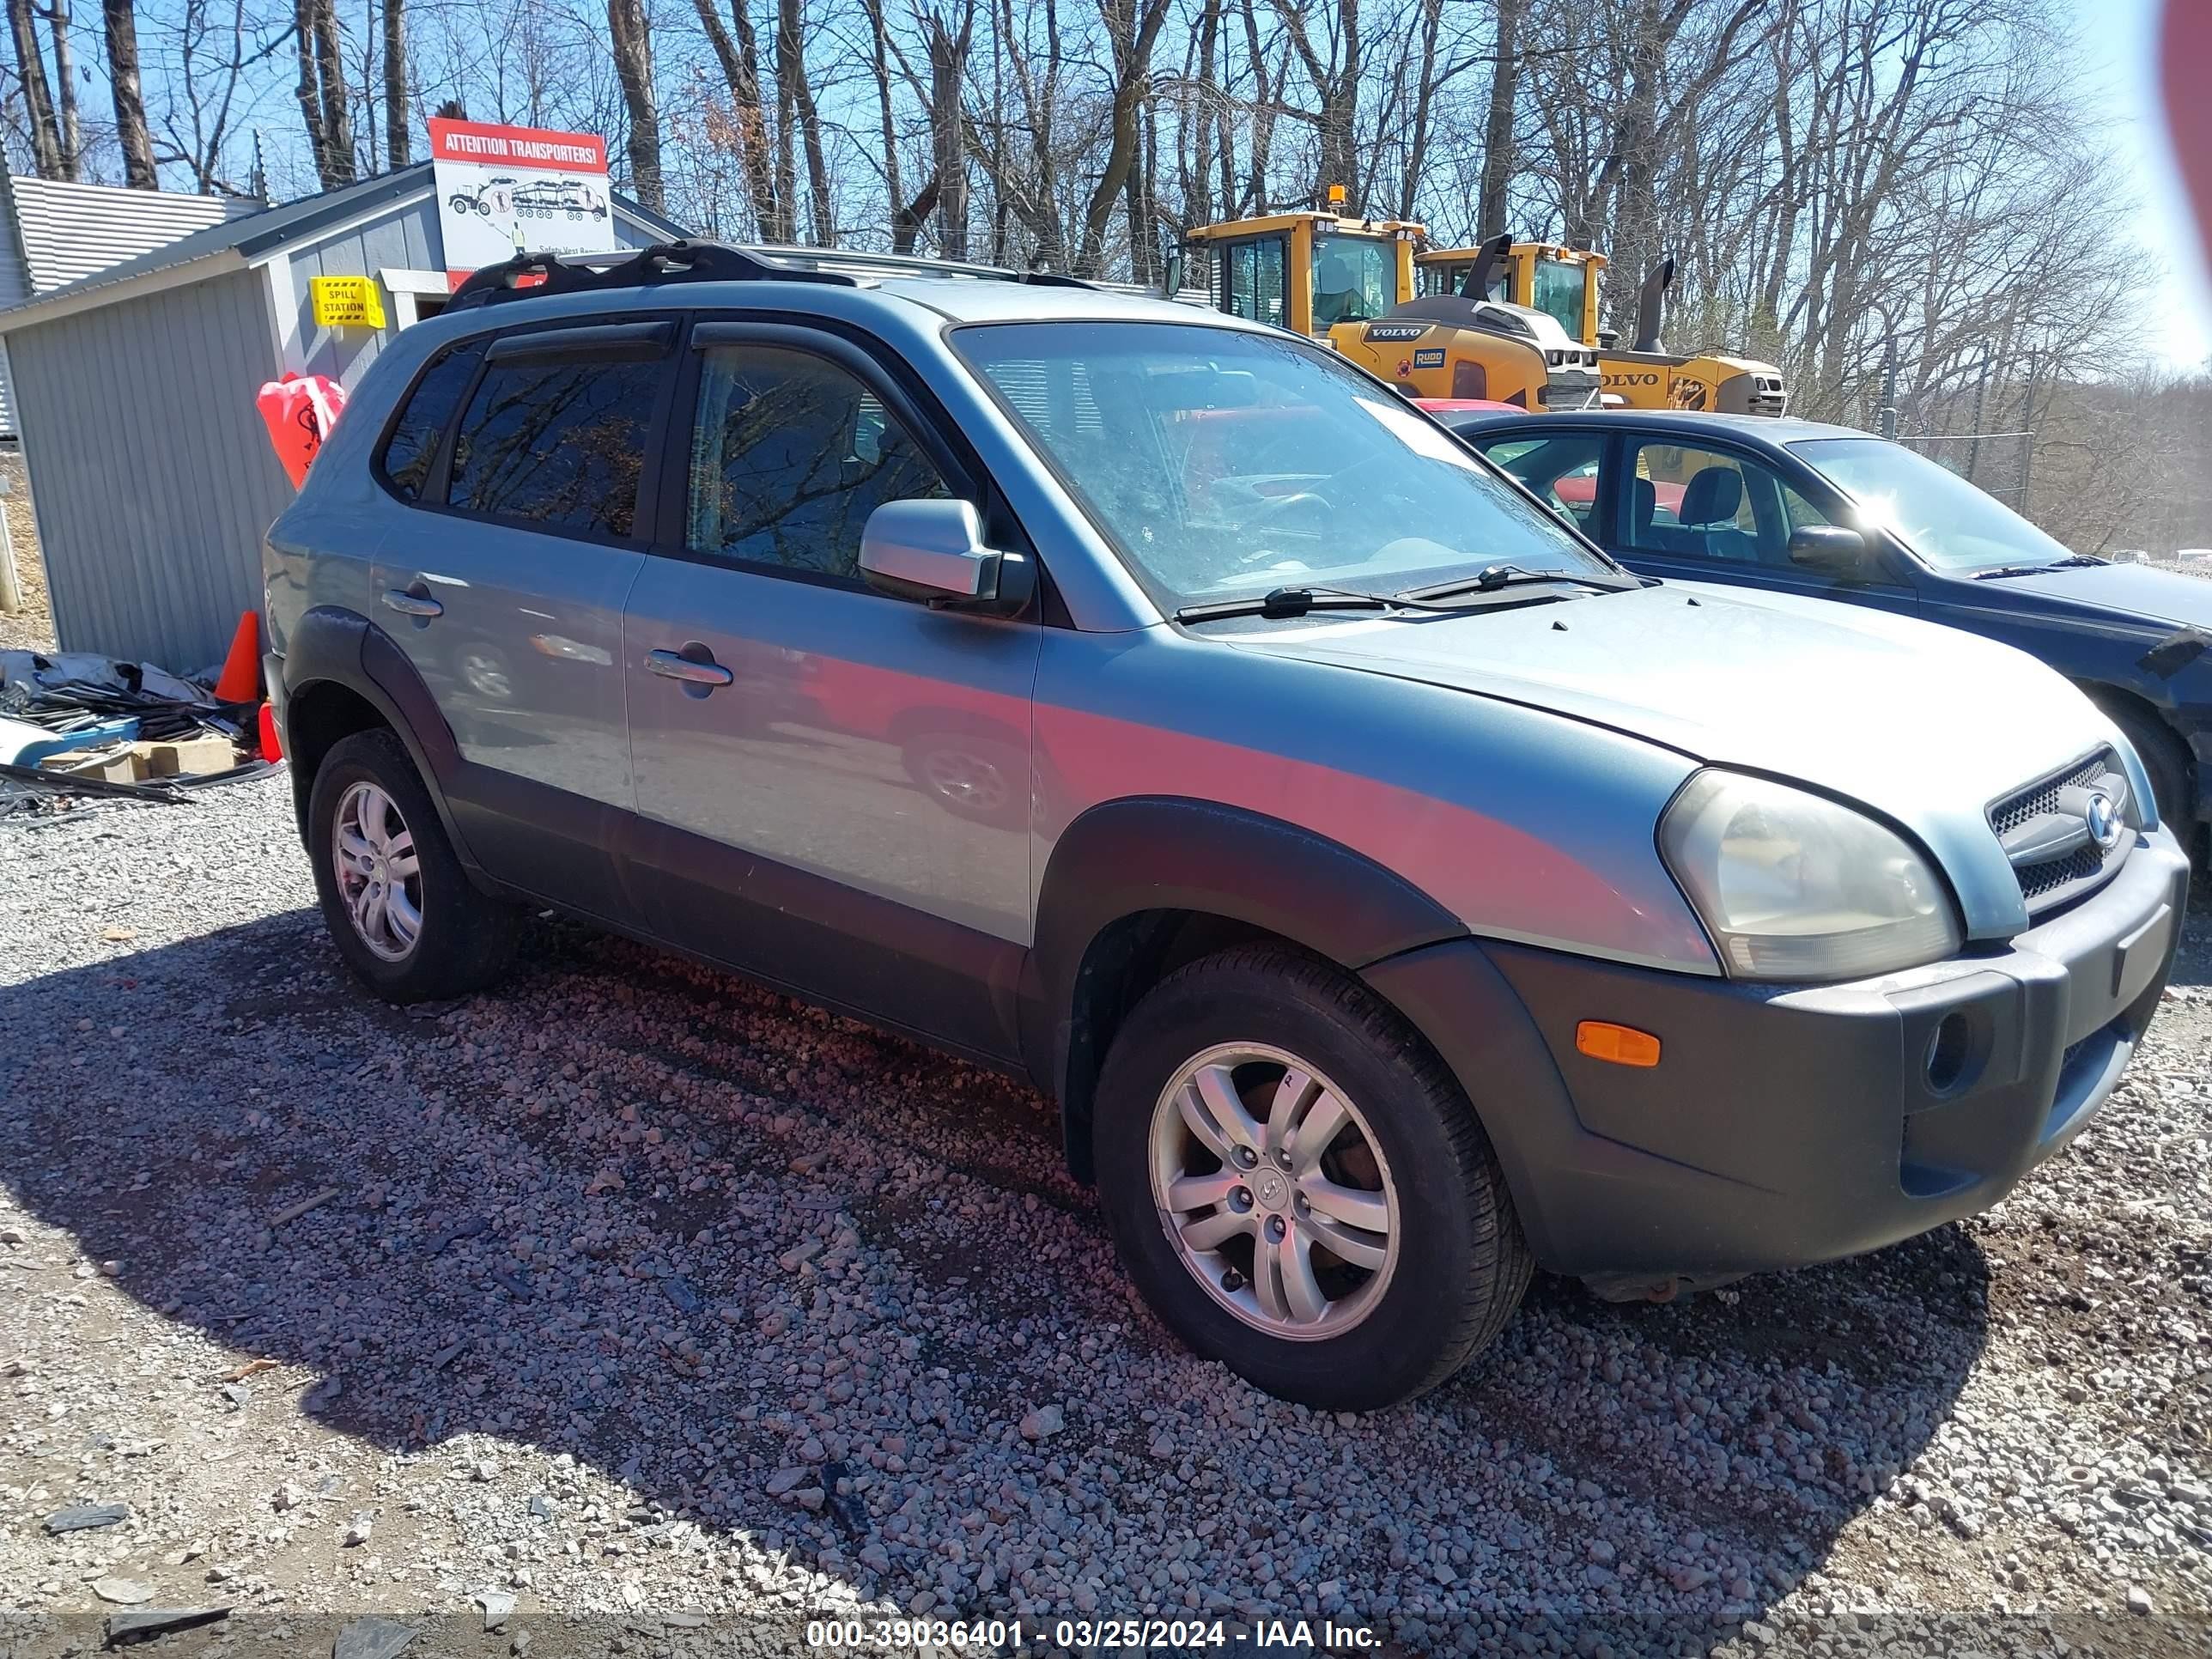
x=1355, y=278
x=1221, y=464
x=1559, y=285
x=1933, y=511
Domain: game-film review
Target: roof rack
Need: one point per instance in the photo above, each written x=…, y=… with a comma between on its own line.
x=538, y=275
x=856, y=262
x=664, y=262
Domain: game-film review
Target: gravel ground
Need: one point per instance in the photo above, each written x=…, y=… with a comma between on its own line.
x=675, y=1313
x=31, y=628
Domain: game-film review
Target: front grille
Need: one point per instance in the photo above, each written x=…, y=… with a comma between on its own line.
x=2045, y=832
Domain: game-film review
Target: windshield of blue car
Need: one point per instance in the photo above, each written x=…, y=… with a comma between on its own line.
x=1221, y=463
x=1948, y=522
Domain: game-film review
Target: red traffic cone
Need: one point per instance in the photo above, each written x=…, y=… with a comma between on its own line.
x=241, y=669
x=272, y=749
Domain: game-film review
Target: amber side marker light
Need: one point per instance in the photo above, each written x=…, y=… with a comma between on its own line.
x=1623, y=1045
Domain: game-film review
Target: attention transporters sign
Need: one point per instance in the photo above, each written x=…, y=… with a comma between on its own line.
x=505, y=189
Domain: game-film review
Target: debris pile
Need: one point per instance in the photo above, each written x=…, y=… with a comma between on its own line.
x=75, y=723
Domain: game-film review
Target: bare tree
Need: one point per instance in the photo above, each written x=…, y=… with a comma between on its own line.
x=120, y=25
x=740, y=64
x=632, y=37
x=324, y=102
x=48, y=156
x=65, y=77
x=398, y=146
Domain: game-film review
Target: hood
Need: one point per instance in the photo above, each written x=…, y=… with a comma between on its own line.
x=1924, y=725
x=2144, y=593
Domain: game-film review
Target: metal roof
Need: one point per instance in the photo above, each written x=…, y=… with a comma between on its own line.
x=252, y=237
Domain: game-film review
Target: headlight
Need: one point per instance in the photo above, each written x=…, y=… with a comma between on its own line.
x=1794, y=887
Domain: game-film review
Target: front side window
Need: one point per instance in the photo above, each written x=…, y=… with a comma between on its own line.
x=790, y=454
x=1948, y=521
x=412, y=448
x=1355, y=278
x=1689, y=502
x=1221, y=463
x=1252, y=280
x=1562, y=469
x=1559, y=285
x=558, y=443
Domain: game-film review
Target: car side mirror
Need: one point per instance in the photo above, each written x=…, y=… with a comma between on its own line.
x=932, y=552
x=1833, y=549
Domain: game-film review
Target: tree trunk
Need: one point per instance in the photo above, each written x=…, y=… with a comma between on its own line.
x=1133, y=33
x=879, y=61
x=1499, y=156
x=397, y=146
x=948, y=64
x=322, y=91
x=740, y=63
x=633, y=46
x=57, y=19
x=791, y=73
x=121, y=25
x=38, y=91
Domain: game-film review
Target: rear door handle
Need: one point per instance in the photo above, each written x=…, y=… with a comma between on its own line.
x=412, y=604
x=699, y=670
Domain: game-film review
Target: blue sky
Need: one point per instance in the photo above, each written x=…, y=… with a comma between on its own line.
x=2118, y=38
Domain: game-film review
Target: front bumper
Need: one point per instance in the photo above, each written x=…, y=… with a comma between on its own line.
x=1787, y=1126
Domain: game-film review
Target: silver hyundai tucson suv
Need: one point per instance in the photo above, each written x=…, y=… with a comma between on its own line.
x=1395, y=894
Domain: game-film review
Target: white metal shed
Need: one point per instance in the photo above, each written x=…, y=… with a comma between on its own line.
x=151, y=473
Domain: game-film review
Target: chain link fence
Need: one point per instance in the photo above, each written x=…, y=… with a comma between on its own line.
x=1996, y=462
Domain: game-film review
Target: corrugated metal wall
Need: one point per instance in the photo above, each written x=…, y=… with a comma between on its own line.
x=66, y=232
x=406, y=240
x=154, y=476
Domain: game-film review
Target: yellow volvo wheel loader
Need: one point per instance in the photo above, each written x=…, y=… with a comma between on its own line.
x=1563, y=282
x=1351, y=281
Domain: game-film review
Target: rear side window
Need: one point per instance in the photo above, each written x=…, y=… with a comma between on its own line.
x=556, y=442
x=412, y=448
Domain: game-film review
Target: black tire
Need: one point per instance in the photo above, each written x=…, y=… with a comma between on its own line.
x=466, y=937
x=1461, y=1262
x=2167, y=762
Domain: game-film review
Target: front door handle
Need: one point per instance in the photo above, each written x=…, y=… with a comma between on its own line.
x=695, y=665
x=412, y=604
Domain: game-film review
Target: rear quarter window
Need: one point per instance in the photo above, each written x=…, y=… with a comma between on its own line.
x=412, y=448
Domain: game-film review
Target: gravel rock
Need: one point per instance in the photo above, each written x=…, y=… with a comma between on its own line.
x=125, y=1592
x=740, y=1307
x=85, y=1516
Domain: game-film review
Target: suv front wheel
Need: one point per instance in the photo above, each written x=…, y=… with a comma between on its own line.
x=401, y=910
x=1299, y=1185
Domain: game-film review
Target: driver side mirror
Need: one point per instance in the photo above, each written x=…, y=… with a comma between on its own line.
x=933, y=552
x=1833, y=549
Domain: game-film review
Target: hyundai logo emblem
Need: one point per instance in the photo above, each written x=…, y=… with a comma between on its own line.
x=2104, y=821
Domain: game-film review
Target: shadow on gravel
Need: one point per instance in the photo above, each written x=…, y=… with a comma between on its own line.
x=785, y=1277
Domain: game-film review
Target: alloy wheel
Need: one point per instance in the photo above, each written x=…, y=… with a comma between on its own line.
x=1274, y=1191
x=380, y=877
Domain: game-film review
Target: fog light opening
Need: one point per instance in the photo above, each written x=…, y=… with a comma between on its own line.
x=1947, y=1047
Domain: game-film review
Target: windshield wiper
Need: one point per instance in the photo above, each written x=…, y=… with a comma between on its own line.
x=1997, y=570
x=1493, y=577
x=1284, y=602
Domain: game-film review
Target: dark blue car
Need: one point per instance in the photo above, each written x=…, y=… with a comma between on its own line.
x=1795, y=507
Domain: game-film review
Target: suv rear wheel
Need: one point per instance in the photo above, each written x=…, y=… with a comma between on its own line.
x=1299, y=1185
x=400, y=909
